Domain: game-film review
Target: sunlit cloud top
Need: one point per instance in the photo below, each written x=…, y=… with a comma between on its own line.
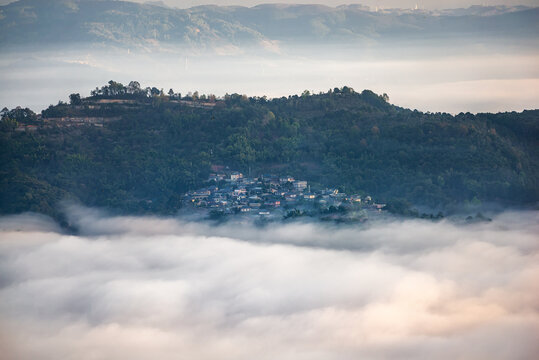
x=151, y=287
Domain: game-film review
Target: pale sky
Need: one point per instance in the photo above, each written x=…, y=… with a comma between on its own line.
x=427, y=4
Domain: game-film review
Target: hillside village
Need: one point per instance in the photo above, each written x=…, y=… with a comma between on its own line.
x=270, y=196
x=140, y=150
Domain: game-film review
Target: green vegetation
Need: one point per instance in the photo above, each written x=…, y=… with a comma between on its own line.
x=143, y=152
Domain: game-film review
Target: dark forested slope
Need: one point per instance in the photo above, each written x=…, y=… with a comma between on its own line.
x=138, y=152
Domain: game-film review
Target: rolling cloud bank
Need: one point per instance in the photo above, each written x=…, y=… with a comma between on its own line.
x=142, y=287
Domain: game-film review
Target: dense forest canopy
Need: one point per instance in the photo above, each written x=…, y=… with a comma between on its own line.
x=139, y=149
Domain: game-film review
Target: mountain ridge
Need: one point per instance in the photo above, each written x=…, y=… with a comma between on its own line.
x=123, y=23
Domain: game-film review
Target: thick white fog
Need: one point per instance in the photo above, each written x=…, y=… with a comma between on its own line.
x=143, y=287
x=448, y=78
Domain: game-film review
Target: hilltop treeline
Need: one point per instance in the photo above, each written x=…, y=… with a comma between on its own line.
x=163, y=145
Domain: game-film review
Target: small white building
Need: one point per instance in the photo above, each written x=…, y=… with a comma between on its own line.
x=286, y=179
x=235, y=176
x=300, y=185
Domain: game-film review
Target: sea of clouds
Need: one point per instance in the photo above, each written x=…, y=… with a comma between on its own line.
x=167, y=288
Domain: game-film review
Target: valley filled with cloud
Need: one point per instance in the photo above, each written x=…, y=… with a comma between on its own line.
x=169, y=288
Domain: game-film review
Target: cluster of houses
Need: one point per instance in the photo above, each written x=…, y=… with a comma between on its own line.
x=230, y=192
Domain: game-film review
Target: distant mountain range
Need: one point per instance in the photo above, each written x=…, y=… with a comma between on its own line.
x=128, y=24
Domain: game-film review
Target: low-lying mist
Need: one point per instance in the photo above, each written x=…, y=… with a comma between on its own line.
x=451, y=78
x=168, y=288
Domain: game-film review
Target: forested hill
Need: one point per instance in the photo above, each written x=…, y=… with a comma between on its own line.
x=138, y=150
